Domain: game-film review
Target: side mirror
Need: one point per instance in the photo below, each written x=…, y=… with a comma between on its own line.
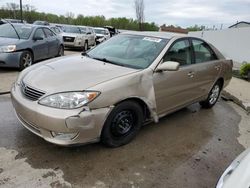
x=168, y=66
x=88, y=33
x=37, y=38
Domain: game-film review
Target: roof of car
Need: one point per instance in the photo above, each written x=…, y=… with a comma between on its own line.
x=166, y=35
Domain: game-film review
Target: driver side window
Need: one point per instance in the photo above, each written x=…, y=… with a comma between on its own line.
x=39, y=34
x=179, y=52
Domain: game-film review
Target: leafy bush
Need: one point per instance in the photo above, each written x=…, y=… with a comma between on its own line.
x=244, y=69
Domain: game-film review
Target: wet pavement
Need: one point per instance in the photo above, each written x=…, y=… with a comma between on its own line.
x=189, y=148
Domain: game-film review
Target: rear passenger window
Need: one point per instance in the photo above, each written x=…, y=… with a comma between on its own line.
x=180, y=52
x=203, y=52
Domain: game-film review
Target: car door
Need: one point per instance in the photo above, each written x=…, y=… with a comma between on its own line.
x=53, y=42
x=175, y=89
x=207, y=66
x=40, y=47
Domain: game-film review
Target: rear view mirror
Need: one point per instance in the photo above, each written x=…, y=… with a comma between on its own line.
x=168, y=66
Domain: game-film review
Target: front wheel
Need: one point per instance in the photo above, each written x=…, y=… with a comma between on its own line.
x=86, y=46
x=26, y=60
x=122, y=125
x=213, y=96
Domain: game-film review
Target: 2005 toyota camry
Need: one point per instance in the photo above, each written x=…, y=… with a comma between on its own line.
x=108, y=93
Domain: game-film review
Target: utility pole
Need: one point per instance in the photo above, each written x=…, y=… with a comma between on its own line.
x=21, y=10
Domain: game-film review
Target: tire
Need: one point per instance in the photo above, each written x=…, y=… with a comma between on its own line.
x=60, y=51
x=123, y=124
x=213, y=96
x=26, y=60
x=86, y=46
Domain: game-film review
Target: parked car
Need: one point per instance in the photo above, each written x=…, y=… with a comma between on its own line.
x=90, y=36
x=109, y=92
x=102, y=34
x=22, y=44
x=113, y=31
x=12, y=21
x=38, y=22
x=76, y=37
x=237, y=174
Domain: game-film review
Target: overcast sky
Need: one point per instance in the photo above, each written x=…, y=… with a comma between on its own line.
x=177, y=12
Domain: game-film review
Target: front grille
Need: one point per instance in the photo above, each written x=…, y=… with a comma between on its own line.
x=30, y=92
x=68, y=39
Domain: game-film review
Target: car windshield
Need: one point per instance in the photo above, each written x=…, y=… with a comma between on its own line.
x=129, y=50
x=68, y=29
x=7, y=31
x=99, y=31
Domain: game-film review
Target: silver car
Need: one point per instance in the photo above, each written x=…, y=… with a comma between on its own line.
x=109, y=92
x=22, y=44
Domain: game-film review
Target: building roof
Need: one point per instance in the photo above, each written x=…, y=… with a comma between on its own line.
x=241, y=22
x=173, y=29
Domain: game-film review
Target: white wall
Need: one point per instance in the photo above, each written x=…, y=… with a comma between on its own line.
x=233, y=43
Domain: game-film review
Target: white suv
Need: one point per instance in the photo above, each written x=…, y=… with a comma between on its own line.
x=78, y=37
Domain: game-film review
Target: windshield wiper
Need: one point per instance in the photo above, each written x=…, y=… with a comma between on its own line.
x=107, y=61
x=13, y=28
x=85, y=54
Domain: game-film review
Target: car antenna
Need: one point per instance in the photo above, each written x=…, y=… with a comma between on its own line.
x=13, y=27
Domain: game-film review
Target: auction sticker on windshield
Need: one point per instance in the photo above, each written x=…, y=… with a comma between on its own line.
x=151, y=39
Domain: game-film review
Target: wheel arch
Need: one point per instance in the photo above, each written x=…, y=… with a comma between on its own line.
x=31, y=51
x=142, y=103
x=221, y=81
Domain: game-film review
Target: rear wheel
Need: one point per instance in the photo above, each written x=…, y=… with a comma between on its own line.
x=213, y=96
x=26, y=60
x=122, y=125
x=60, y=51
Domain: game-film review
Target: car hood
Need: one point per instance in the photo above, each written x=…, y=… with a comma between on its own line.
x=237, y=174
x=9, y=41
x=70, y=34
x=72, y=73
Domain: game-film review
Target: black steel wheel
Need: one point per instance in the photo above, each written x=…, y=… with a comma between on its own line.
x=123, y=124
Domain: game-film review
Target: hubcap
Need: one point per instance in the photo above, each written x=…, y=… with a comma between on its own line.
x=122, y=123
x=27, y=60
x=214, y=94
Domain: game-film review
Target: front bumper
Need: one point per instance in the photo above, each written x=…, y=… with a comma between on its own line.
x=75, y=44
x=10, y=59
x=83, y=124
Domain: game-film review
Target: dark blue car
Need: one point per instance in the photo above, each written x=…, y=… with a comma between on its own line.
x=23, y=44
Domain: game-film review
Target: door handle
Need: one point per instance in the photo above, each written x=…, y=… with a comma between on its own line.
x=191, y=74
x=217, y=67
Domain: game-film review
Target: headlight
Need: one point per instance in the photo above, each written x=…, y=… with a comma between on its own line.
x=69, y=100
x=9, y=48
x=78, y=38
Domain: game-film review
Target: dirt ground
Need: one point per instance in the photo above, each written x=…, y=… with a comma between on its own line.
x=189, y=148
